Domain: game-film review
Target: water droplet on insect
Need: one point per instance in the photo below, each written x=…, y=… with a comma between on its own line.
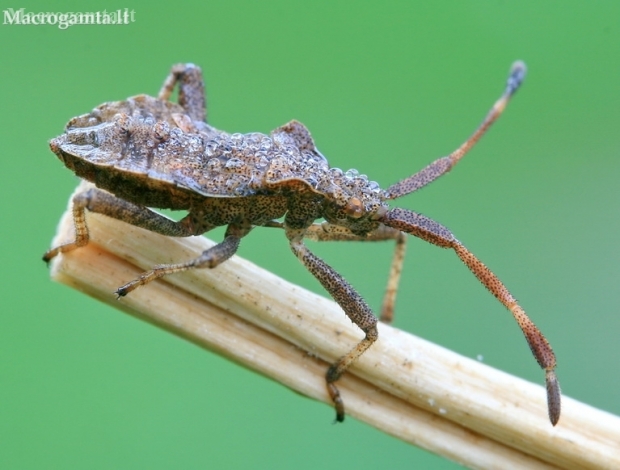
x=290, y=151
x=265, y=144
x=250, y=150
x=262, y=160
x=231, y=184
x=237, y=138
x=254, y=138
x=214, y=164
x=352, y=173
x=210, y=148
x=234, y=163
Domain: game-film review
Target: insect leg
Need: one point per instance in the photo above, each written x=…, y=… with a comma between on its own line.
x=96, y=200
x=191, y=90
x=330, y=232
x=210, y=258
x=435, y=233
x=351, y=302
x=389, y=298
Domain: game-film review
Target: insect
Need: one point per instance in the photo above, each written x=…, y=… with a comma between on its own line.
x=150, y=152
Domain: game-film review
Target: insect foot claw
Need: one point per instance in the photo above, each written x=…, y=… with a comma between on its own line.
x=123, y=290
x=338, y=403
x=47, y=257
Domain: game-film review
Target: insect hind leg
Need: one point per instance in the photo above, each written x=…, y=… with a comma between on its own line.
x=102, y=202
x=191, y=90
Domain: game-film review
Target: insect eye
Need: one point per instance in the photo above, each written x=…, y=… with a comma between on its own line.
x=354, y=208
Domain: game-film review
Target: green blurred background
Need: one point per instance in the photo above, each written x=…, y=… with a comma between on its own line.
x=385, y=87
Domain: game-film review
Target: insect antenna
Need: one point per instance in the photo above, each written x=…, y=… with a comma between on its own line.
x=445, y=164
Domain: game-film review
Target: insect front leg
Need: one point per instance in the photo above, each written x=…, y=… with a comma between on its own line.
x=101, y=202
x=435, y=233
x=351, y=302
x=191, y=90
x=331, y=232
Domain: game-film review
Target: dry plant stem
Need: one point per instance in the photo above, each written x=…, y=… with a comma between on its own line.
x=405, y=386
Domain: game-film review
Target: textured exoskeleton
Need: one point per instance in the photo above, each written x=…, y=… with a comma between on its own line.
x=149, y=152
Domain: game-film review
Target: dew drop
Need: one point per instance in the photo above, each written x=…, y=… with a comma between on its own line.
x=374, y=186
x=234, y=163
x=266, y=144
x=211, y=148
x=262, y=160
x=214, y=164
x=231, y=184
x=237, y=138
x=254, y=138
